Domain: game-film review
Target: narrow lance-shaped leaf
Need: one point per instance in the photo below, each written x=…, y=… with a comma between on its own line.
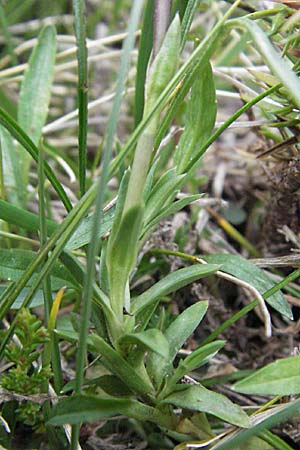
x=36, y=90
x=151, y=339
x=83, y=408
x=36, y=86
x=121, y=256
x=13, y=264
x=196, y=359
x=172, y=283
x=198, y=398
x=246, y=271
x=200, y=117
x=281, y=377
x=120, y=367
x=176, y=334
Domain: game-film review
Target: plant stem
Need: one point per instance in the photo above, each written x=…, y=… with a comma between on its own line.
x=80, y=31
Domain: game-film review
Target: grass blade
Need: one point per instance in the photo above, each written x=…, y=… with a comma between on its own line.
x=101, y=187
x=18, y=133
x=80, y=32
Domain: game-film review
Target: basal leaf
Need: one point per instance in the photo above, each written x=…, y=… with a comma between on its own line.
x=196, y=359
x=91, y=408
x=176, y=334
x=281, y=377
x=152, y=339
x=119, y=366
x=172, y=283
x=35, y=92
x=200, y=117
x=198, y=398
x=36, y=86
x=246, y=271
x=14, y=262
x=82, y=235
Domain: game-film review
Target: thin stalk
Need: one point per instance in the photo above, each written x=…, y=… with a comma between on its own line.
x=16, y=131
x=233, y=232
x=48, y=355
x=196, y=161
x=80, y=32
x=100, y=186
x=43, y=230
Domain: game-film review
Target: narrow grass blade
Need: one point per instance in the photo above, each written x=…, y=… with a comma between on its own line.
x=187, y=20
x=260, y=422
x=14, y=129
x=100, y=189
x=80, y=32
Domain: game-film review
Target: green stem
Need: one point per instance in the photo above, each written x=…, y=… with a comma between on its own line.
x=80, y=31
x=139, y=172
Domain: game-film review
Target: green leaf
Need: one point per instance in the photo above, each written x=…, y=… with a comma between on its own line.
x=36, y=86
x=198, y=398
x=151, y=339
x=260, y=422
x=189, y=13
x=246, y=271
x=37, y=299
x=14, y=262
x=200, y=117
x=281, y=67
x=91, y=408
x=121, y=255
x=196, y=359
x=169, y=210
x=176, y=334
x=164, y=190
x=82, y=234
x=172, y=283
x=17, y=132
x=111, y=385
x=164, y=64
x=11, y=169
x=281, y=377
x=120, y=367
